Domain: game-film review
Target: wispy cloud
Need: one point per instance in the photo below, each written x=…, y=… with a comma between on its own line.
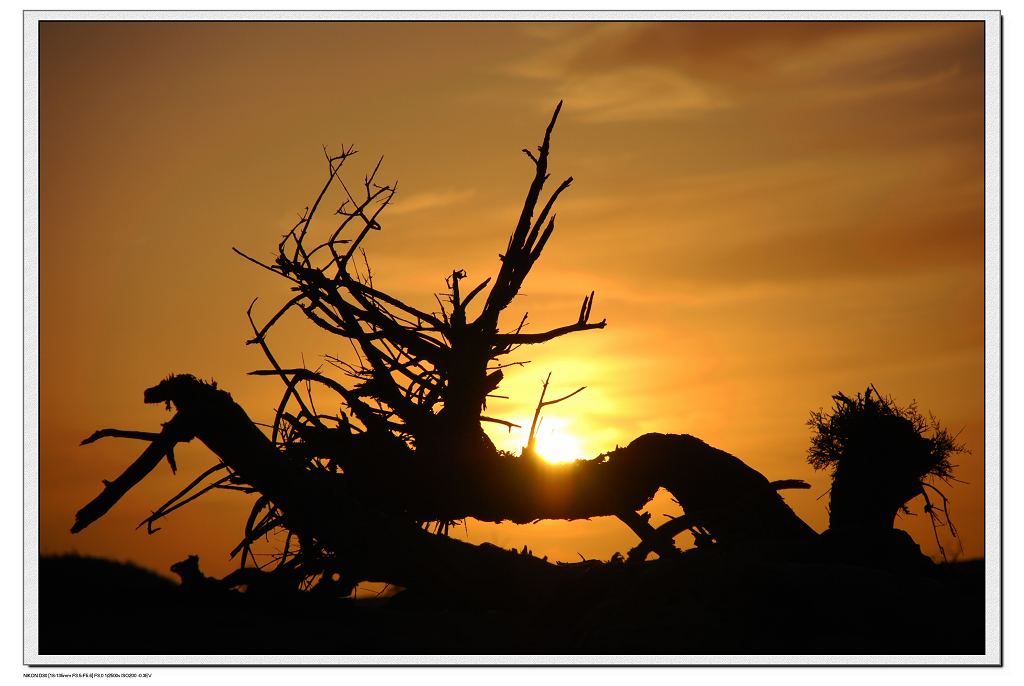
x=627, y=91
x=637, y=93
x=431, y=200
x=643, y=71
x=896, y=86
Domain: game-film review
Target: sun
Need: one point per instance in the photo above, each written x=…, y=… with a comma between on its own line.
x=556, y=443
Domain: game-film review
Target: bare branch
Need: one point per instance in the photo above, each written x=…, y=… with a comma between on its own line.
x=173, y=432
x=532, y=440
x=532, y=338
x=119, y=433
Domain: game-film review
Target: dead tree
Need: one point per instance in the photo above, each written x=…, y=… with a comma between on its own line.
x=358, y=492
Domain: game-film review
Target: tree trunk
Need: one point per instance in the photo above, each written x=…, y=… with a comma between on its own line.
x=378, y=539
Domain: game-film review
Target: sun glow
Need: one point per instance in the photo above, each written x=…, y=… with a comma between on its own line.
x=556, y=443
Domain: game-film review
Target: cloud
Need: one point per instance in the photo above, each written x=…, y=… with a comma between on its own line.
x=644, y=71
x=897, y=86
x=621, y=91
x=431, y=200
x=637, y=94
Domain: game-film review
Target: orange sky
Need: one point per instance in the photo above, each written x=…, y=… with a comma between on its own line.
x=769, y=213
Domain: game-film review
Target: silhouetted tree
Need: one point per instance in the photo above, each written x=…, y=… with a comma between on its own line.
x=881, y=456
x=369, y=492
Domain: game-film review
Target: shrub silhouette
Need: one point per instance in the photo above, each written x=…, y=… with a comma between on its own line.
x=880, y=458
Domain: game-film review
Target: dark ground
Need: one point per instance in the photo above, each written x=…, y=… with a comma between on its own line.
x=709, y=602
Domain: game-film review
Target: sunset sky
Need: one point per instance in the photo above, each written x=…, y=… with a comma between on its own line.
x=769, y=213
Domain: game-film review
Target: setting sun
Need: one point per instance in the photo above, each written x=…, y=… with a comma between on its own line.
x=556, y=443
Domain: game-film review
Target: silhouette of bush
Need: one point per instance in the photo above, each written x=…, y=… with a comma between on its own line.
x=881, y=456
x=871, y=431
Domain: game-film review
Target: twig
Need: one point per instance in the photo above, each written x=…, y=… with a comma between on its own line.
x=119, y=433
x=531, y=443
